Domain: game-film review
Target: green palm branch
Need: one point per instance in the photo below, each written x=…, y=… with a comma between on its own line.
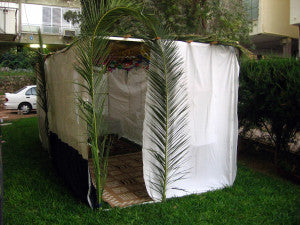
x=42, y=99
x=91, y=66
x=167, y=108
x=92, y=50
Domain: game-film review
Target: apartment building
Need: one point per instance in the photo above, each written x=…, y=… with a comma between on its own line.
x=295, y=18
x=20, y=21
x=275, y=26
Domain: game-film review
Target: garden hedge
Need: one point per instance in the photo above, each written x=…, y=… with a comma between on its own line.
x=269, y=99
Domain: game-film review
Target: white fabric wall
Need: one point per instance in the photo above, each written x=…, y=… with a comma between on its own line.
x=212, y=82
x=62, y=90
x=124, y=109
x=126, y=103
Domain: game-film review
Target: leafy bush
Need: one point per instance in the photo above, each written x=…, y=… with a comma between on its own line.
x=269, y=99
x=18, y=60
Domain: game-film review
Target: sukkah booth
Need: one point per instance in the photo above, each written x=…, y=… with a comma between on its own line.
x=211, y=74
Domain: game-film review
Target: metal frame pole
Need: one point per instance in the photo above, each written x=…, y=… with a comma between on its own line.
x=1, y=177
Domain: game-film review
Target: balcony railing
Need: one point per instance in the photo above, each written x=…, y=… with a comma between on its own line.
x=49, y=29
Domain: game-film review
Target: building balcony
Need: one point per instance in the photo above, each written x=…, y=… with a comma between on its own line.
x=20, y=23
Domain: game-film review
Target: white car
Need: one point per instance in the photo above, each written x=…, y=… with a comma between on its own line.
x=23, y=99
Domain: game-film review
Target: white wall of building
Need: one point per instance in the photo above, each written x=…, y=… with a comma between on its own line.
x=8, y=17
x=295, y=12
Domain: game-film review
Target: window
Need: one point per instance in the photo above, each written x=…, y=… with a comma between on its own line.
x=28, y=92
x=47, y=15
x=47, y=19
x=31, y=91
x=56, y=16
x=251, y=9
x=53, y=21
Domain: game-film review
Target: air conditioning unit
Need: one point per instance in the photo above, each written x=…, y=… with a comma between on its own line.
x=69, y=33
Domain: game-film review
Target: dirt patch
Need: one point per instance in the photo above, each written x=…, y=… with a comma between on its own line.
x=260, y=157
x=8, y=115
x=252, y=161
x=2, y=100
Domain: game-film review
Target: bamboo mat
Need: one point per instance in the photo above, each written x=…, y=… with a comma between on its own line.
x=125, y=184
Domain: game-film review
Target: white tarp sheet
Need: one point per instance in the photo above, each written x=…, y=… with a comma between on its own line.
x=212, y=80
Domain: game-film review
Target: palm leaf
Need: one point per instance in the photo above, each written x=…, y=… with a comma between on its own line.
x=92, y=51
x=167, y=107
x=42, y=99
x=90, y=65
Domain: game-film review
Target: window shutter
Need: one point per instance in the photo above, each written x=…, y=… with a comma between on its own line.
x=56, y=16
x=47, y=15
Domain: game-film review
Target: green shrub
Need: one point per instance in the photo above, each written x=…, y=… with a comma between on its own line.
x=18, y=60
x=269, y=99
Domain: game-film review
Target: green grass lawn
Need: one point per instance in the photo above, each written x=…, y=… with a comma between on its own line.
x=35, y=195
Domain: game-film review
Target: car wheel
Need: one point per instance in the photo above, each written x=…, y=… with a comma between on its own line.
x=25, y=108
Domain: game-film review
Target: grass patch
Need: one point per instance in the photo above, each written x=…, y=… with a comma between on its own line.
x=35, y=195
x=17, y=73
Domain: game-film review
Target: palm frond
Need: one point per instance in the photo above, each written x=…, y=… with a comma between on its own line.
x=41, y=78
x=167, y=104
x=92, y=51
x=42, y=99
x=91, y=56
x=167, y=107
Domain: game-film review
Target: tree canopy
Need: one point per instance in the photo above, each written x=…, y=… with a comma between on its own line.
x=220, y=19
x=217, y=18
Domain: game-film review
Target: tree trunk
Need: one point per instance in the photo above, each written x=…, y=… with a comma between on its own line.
x=203, y=20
